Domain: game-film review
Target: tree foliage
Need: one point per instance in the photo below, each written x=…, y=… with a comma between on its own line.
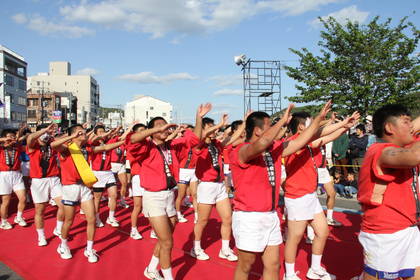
x=360, y=67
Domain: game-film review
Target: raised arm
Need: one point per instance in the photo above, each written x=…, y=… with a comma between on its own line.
x=59, y=143
x=31, y=140
x=216, y=127
x=393, y=157
x=107, y=147
x=202, y=110
x=142, y=135
x=248, y=152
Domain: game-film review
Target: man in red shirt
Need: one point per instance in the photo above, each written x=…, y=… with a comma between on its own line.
x=118, y=165
x=389, y=195
x=159, y=174
x=11, y=177
x=74, y=191
x=44, y=173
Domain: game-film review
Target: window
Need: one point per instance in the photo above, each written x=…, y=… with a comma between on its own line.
x=31, y=113
x=10, y=81
x=163, y=114
x=13, y=116
x=22, y=85
x=151, y=108
x=21, y=100
x=38, y=83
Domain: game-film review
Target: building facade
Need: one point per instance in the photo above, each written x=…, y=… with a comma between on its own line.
x=60, y=79
x=113, y=120
x=12, y=89
x=143, y=108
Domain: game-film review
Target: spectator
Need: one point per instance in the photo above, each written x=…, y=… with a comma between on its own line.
x=350, y=187
x=339, y=152
x=357, y=147
x=339, y=184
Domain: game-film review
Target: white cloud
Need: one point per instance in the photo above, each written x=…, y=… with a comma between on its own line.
x=350, y=13
x=87, y=72
x=227, y=80
x=151, y=78
x=159, y=17
x=48, y=28
x=227, y=91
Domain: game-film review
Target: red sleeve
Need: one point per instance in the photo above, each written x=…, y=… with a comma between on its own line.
x=137, y=150
x=188, y=140
x=376, y=168
x=234, y=156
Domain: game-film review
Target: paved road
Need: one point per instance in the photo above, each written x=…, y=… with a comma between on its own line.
x=7, y=274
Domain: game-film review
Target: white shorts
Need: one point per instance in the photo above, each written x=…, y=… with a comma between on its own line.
x=211, y=192
x=138, y=190
x=75, y=194
x=194, y=178
x=391, y=256
x=11, y=181
x=185, y=175
x=324, y=176
x=117, y=168
x=24, y=167
x=254, y=231
x=157, y=204
x=303, y=208
x=226, y=169
x=43, y=189
x=127, y=165
x=105, y=179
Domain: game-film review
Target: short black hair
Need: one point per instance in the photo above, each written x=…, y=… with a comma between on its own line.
x=7, y=131
x=72, y=128
x=387, y=114
x=256, y=119
x=235, y=125
x=361, y=127
x=297, y=119
x=137, y=126
x=95, y=130
x=151, y=124
x=207, y=121
x=41, y=126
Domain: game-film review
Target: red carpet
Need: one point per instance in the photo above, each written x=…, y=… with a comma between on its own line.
x=124, y=258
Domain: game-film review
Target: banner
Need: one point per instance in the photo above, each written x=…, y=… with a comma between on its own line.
x=56, y=116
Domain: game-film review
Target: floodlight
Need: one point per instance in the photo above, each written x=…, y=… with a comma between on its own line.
x=239, y=59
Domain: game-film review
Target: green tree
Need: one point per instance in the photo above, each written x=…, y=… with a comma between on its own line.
x=360, y=67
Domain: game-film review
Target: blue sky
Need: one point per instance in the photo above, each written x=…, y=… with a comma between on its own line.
x=180, y=51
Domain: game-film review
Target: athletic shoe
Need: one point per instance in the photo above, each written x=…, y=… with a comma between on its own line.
x=5, y=225
x=334, y=223
x=187, y=203
x=154, y=275
x=99, y=223
x=81, y=211
x=91, y=255
x=153, y=234
x=135, y=234
x=57, y=232
x=64, y=252
x=229, y=255
x=52, y=202
x=113, y=222
x=123, y=204
x=319, y=274
x=293, y=277
x=182, y=219
x=199, y=254
x=42, y=242
x=20, y=221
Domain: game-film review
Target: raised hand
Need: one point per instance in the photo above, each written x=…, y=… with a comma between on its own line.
x=203, y=109
x=287, y=116
x=327, y=108
x=224, y=119
x=352, y=120
x=167, y=126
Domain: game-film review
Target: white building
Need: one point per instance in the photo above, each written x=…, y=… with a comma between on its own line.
x=113, y=120
x=60, y=79
x=143, y=108
x=12, y=89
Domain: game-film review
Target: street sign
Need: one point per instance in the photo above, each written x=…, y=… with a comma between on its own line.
x=56, y=116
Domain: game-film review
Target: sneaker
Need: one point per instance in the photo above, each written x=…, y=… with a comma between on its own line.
x=135, y=234
x=199, y=254
x=99, y=223
x=57, y=232
x=91, y=255
x=319, y=274
x=229, y=255
x=20, y=221
x=182, y=219
x=123, y=204
x=64, y=252
x=153, y=234
x=293, y=277
x=42, y=242
x=113, y=222
x=5, y=225
x=187, y=203
x=52, y=202
x=154, y=275
x=334, y=223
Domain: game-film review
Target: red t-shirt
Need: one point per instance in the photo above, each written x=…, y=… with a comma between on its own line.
x=226, y=152
x=102, y=159
x=69, y=173
x=117, y=154
x=16, y=159
x=253, y=190
x=153, y=176
x=320, y=156
x=393, y=210
x=134, y=164
x=204, y=169
x=35, y=157
x=302, y=176
x=187, y=158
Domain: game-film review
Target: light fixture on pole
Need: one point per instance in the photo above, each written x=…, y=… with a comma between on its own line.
x=240, y=59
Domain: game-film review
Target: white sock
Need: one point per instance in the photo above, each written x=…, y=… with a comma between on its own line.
x=167, y=274
x=187, y=198
x=59, y=225
x=290, y=269
x=134, y=229
x=154, y=262
x=310, y=232
x=111, y=214
x=19, y=214
x=89, y=245
x=316, y=262
x=63, y=242
x=179, y=213
x=41, y=233
x=3, y=220
x=197, y=244
x=225, y=245
x=196, y=215
x=330, y=214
